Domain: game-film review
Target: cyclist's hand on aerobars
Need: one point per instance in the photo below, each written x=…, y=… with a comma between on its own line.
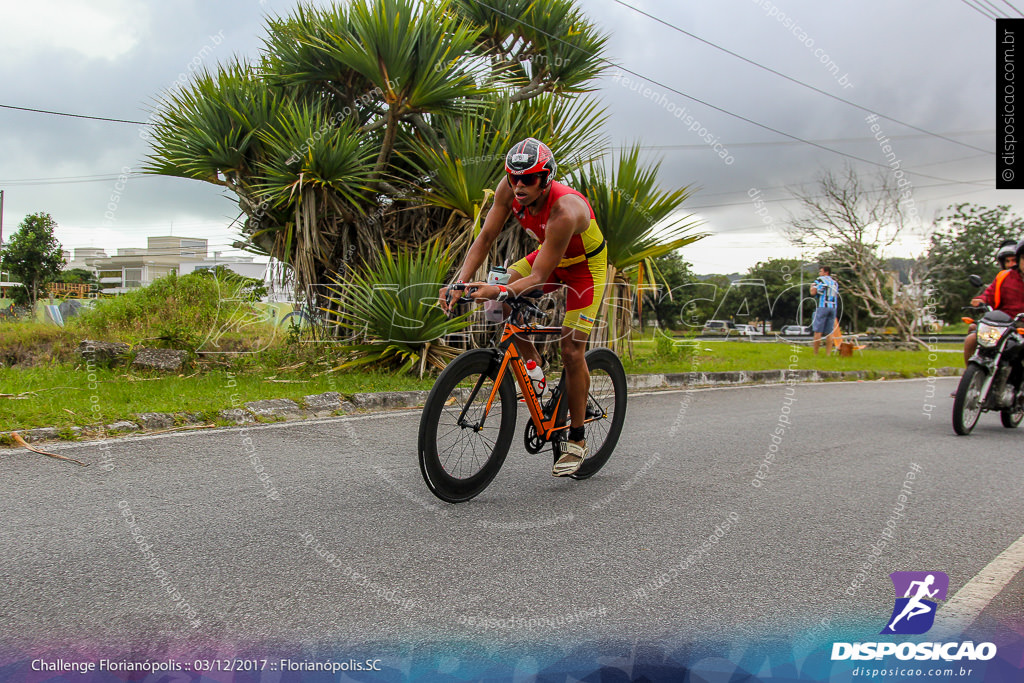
x=448, y=297
x=444, y=298
x=483, y=291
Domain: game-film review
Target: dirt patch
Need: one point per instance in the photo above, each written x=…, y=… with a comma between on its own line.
x=31, y=345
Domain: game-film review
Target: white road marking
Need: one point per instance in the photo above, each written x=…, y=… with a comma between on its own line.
x=966, y=606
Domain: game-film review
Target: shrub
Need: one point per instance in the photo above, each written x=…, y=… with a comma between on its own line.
x=669, y=349
x=195, y=312
x=391, y=314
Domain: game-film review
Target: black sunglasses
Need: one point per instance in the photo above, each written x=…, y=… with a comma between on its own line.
x=527, y=179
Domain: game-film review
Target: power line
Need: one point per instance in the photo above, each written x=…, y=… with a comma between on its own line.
x=988, y=4
x=797, y=81
x=981, y=8
x=1005, y=2
x=766, y=143
x=991, y=183
x=978, y=9
x=55, y=181
x=708, y=104
x=108, y=177
x=638, y=75
x=952, y=161
x=99, y=176
x=76, y=116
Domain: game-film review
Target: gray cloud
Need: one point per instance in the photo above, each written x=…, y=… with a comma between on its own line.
x=903, y=59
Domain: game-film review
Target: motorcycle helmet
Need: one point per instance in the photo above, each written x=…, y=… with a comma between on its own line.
x=1017, y=252
x=531, y=156
x=1008, y=248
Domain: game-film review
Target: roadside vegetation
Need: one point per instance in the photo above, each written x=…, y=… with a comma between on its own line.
x=654, y=355
x=44, y=383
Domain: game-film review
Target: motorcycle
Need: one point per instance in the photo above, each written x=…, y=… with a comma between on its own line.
x=992, y=380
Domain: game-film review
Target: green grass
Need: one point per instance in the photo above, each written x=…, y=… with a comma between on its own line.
x=958, y=328
x=28, y=343
x=62, y=394
x=726, y=356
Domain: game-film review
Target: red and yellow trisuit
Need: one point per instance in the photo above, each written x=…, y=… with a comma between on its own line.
x=584, y=267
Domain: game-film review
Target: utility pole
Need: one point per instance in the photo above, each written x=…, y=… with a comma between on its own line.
x=1, y=219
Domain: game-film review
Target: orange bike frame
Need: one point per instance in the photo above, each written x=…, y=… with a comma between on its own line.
x=512, y=359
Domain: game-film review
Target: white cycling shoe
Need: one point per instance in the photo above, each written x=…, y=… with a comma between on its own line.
x=573, y=455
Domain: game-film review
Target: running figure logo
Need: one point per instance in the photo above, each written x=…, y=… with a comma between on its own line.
x=914, y=612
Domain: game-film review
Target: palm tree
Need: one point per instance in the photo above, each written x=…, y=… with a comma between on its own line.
x=640, y=223
x=392, y=322
x=382, y=124
x=327, y=139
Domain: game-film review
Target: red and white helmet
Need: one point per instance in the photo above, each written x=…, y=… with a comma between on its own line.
x=531, y=156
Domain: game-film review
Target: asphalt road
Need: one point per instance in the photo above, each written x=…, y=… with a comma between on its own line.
x=401, y=567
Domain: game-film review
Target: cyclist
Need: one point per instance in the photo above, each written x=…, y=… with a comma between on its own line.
x=1006, y=292
x=572, y=252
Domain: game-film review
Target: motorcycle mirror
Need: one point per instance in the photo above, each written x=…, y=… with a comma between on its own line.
x=976, y=281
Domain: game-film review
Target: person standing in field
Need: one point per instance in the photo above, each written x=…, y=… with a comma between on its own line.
x=827, y=290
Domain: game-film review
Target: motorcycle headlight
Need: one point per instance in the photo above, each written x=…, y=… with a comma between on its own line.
x=989, y=335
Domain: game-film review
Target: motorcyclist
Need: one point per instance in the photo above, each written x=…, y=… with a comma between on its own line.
x=1006, y=293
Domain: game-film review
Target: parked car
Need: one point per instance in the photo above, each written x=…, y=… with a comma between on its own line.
x=719, y=327
x=796, y=331
x=747, y=330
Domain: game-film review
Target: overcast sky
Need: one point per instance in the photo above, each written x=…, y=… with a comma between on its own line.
x=930, y=64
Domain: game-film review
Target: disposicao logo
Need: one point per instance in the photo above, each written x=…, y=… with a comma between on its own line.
x=916, y=596
x=913, y=613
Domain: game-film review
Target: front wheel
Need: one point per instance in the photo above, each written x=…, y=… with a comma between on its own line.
x=967, y=403
x=606, y=410
x=462, y=444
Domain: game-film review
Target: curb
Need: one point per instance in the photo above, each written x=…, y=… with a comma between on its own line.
x=333, y=404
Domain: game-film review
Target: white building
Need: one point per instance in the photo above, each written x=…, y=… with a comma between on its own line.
x=132, y=268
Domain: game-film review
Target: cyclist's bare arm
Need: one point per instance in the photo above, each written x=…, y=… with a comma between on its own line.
x=569, y=216
x=495, y=220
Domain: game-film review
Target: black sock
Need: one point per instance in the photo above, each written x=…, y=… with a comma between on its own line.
x=577, y=433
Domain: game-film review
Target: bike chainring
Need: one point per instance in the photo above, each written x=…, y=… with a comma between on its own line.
x=533, y=441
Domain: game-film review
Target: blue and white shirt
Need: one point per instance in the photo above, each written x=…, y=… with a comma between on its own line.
x=828, y=291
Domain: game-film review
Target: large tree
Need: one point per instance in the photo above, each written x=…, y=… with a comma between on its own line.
x=664, y=301
x=386, y=122
x=965, y=242
x=34, y=256
x=382, y=121
x=854, y=221
x=780, y=299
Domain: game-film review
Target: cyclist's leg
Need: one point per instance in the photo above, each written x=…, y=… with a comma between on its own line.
x=577, y=376
x=585, y=285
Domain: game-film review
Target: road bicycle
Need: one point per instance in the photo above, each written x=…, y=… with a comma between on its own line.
x=304, y=322
x=469, y=419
